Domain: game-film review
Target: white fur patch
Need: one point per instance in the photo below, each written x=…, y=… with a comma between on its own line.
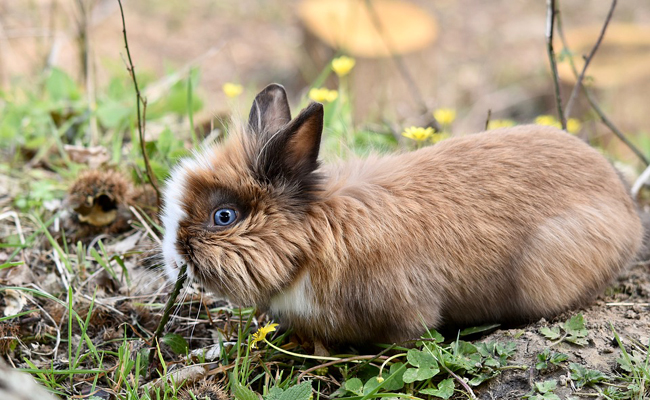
x=172, y=212
x=298, y=299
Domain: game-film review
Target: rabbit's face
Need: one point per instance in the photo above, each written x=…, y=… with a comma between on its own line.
x=234, y=212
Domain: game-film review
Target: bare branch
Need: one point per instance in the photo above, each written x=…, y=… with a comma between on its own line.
x=576, y=88
x=550, y=19
x=592, y=102
x=139, y=99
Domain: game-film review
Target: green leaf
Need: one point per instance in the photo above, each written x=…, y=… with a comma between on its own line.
x=480, y=378
x=177, y=343
x=506, y=350
x=576, y=323
x=550, y=333
x=241, y=392
x=491, y=362
x=478, y=329
x=297, y=392
x=60, y=86
x=371, y=385
x=422, y=359
x=585, y=377
x=546, y=386
x=445, y=389
x=274, y=393
x=165, y=141
x=394, y=379
x=112, y=114
x=541, y=365
x=557, y=358
x=410, y=375
x=435, y=335
x=428, y=366
x=354, y=385
x=465, y=348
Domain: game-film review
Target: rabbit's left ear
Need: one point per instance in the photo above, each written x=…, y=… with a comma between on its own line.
x=270, y=111
x=302, y=139
x=291, y=154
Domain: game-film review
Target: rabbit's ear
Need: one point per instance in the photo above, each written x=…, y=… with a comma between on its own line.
x=302, y=139
x=291, y=155
x=270, y=110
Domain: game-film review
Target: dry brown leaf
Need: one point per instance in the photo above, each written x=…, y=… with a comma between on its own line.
x=188, y=375
x=14, y=302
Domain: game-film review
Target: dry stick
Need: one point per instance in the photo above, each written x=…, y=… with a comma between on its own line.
x=550, y=19
x=138, y=100
x=87, y=70
x=574, y=92
x=592, y=102
x=401, y=65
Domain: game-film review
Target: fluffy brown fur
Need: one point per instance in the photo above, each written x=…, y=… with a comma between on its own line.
x=508, y=225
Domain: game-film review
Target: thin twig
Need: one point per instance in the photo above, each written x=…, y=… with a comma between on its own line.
x=487, y=120
x=401, y=65
x=592, y=102
x=139, y=99
x=612, y=127
x=550, y=19
x=146, y=226
x=576, y=88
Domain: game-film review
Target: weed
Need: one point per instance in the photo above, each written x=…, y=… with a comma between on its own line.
x=572, y=331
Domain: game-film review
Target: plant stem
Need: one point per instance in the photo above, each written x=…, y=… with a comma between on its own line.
x=139, y=99
x=550, y=19
x=182, y=276
x=592, y=102
x=576, y=88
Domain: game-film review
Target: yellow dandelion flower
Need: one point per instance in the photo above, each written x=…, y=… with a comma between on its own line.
x=500, y=123
x=573, y=125
x=261, y=334
x=343, y=65
x=232, y=89
x=323, y=95
x=418, y=133
x=548, y=120
x=445, y=115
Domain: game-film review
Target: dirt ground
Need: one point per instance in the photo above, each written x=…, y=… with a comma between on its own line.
x=624, y=308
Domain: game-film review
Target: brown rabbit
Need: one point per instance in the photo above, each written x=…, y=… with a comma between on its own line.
x=509, y=225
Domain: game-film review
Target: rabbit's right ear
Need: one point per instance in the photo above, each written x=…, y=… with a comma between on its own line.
x=270, y=110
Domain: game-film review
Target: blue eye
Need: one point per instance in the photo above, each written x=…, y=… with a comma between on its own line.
x=225, y=216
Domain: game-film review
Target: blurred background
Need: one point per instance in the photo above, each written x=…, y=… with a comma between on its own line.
x=412, y=57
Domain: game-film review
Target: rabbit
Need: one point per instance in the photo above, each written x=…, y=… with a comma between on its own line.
x=510, y=225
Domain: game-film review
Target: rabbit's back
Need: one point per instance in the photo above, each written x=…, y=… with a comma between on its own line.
x=511, y=224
